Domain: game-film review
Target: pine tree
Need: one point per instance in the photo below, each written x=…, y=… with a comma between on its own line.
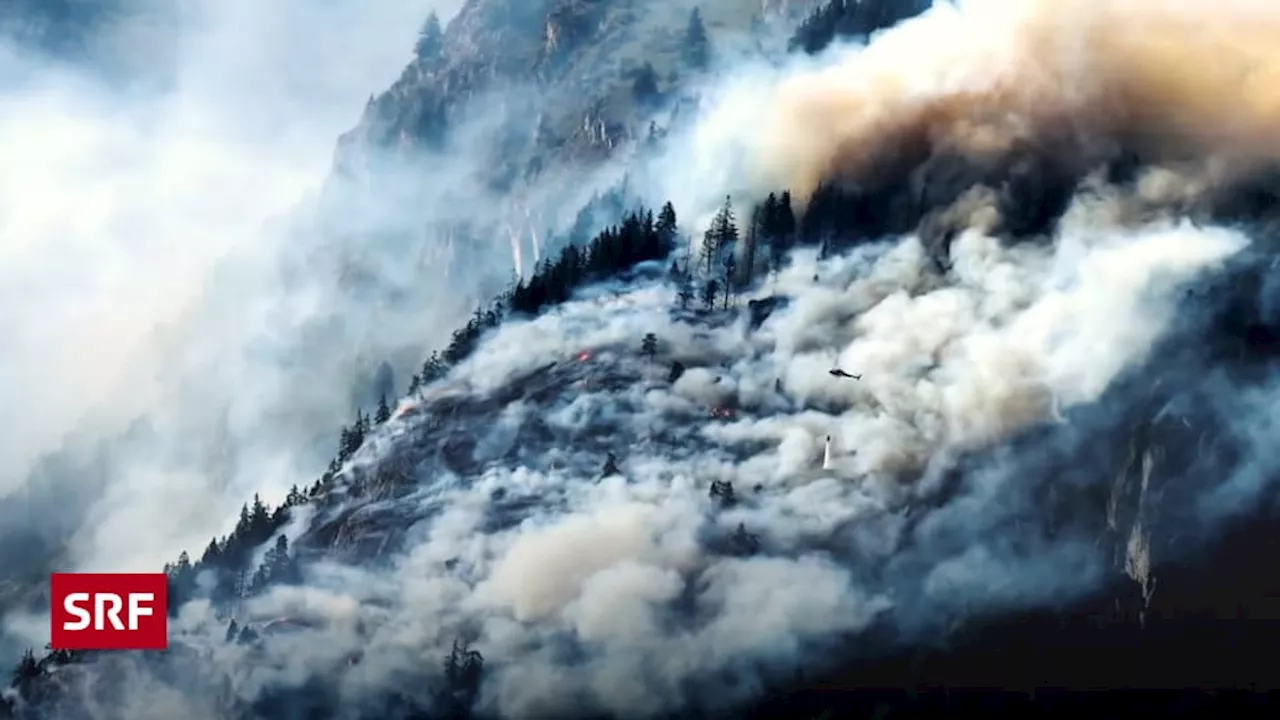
x=645, y=86
x=709, y=248
x=786, y=216
x=463, y=669
x=730, y=267
x=28, y=669
x=745, y=543
x=777, y=226
x=434, y=368
x=212, y=553
x=684, y=294
x=667, y=227
x=750, y=244
x=430, y=39
x=281, y=563
x=696, y=46
x=722, y=234
x=383, y=412
x=649, y=346
x=243, y=524
x=259, y=521
x=709, y=293
x=345, y=448
x=611, y=466
x=724, y=226
x=278, y=566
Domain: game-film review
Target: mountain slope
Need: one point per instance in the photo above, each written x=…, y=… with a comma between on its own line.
x=978, y=414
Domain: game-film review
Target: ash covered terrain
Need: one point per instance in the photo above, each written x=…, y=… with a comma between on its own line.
x=875, y=360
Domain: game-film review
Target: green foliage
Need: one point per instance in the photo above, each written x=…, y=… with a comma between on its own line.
x=856, y=19
x=639, y=238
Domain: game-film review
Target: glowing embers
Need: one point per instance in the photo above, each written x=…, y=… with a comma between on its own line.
x=406, y=408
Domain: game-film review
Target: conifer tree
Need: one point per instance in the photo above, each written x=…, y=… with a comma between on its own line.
x=696, y=47
x=709, y=248
x=430, y=38
x=709, y=293
x=667, y=227
x=645, y=86
x=724, y=226
x=749, y=244
x=259, y=521
x=649, y=346
x=433, y=369
x=27, y=670
x=684, y=294
x=730, y=267
x=212, y=553
x=611, y=466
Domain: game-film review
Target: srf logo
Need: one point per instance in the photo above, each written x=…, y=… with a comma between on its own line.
x=109, y=611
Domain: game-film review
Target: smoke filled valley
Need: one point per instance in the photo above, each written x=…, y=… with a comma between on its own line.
x=818, y=359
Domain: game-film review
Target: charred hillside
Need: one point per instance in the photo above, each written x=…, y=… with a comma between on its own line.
x=1128, y=530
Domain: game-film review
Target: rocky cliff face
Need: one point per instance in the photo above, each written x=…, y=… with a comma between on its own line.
x=578, y=59
x=542, y=92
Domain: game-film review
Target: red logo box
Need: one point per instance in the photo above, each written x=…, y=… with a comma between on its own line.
x=109, y=611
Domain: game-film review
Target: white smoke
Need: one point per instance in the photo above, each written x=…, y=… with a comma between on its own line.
x=578, y=606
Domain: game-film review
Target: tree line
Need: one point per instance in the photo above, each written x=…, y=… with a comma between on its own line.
x=729, y=259
x=854, y=19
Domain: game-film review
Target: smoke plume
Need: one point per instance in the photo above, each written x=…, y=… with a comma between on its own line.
x=1068, y=82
